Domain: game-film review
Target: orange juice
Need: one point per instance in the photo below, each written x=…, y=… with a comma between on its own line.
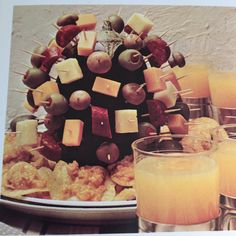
x=223, y=89
x=196, y=79
x=226, y=157
x=177, y=190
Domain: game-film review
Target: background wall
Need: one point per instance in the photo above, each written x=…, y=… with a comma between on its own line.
x=208, y=34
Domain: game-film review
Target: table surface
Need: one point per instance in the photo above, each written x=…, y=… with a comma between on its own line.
x=16, y=223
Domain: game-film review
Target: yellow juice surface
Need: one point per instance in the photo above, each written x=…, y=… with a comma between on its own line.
x=223, y=89
x=226, y=157
x=177, y=190
x=196, y=79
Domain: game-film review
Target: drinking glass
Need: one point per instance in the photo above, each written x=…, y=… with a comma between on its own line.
x=177, y=189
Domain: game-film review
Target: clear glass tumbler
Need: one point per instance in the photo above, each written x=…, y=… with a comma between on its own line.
x=177, y=190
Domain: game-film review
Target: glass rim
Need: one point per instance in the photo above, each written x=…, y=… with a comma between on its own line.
x=176, y=153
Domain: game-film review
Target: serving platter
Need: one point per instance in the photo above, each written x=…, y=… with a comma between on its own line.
x=73, y=210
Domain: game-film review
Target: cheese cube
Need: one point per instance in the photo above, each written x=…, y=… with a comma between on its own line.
x=73, y=132
x=26, y=132
x=43, y=91
x=86, y=44
x=126, y=121
x=106, y=86
x=172, y=78
x=153, y=81
x=86, y=21
x=69, y=71
x=28, y=107
x=167, y=96
x=177, y=124
x=140, y=24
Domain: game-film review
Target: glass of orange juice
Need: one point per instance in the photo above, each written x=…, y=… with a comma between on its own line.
x=176, y=190
x=195, y=77
x=223, y=95
x=225, y=155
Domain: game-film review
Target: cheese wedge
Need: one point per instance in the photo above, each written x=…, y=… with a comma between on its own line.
x=106, y=86
x=69, y=71
x=73, y=132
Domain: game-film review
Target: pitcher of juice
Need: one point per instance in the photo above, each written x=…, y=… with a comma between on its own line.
x=177, y=183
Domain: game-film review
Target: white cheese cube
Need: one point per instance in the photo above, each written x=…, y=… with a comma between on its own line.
x=167, y=96
x=126, y=121
x=140, y=24
x=69, y=71
x=26, y=132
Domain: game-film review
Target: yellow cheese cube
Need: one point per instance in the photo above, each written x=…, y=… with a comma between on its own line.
x=69, y=71
x=140, y=24
x=26, y=132
x=41, y=92
x=86, y=21
x=106, y=86
x=126, y=121
x=73, y=132
x=86, y=44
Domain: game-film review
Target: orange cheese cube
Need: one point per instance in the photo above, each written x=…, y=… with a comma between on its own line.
x=177, y=124
x=126, y=121
x=73, y=132
x=27, y=106
x=86, y=44
x=106, y=86
x=153, y=81
x=41, y=92
x=86, y=21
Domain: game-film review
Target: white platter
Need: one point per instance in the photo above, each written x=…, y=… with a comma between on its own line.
x=73, y=210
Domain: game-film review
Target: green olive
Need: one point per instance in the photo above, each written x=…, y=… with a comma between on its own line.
x=57, y=104
x=131, y=59
x=117, y=23
x=36, y=60
x=99, y=62
x=80, y=100
x=34, y=77
x=133, y=41
x=67, y=19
